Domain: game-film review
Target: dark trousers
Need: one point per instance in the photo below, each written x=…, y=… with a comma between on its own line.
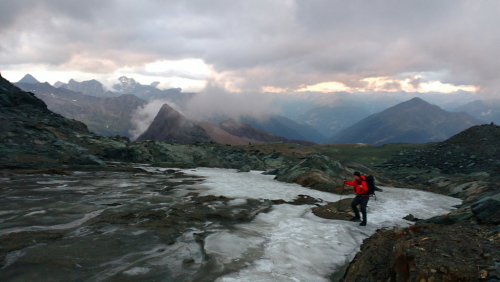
x=359, y=200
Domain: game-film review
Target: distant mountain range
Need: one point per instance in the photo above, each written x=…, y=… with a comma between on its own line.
x=248, y=133
x=486, y=110
x=106, y=116
x=413, y=121
x=171, y=126
x=329, y=120
x=316, y=117
x=331, y=112
x=151, y=92
x=285, y=127
x=89, y=87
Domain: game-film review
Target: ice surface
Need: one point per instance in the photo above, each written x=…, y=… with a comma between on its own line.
x=294, y=244
x=253, y=185
x=228, y=246
x=68, y=225
x=237, y=202
x=137, y=270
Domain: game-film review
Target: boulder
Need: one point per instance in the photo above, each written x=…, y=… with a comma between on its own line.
x=487, y=210
x=319, y=163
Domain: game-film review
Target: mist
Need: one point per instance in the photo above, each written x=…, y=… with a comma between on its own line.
x=216, y=102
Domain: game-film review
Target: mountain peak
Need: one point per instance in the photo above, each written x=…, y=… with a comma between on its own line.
x=171, y=126
x=416, y=101
x=413, y=121
x=28, y=78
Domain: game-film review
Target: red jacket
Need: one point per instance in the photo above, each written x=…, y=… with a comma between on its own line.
x=360, y=186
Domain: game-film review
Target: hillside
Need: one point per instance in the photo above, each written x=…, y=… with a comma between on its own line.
x=106, y=116
x=251, y=134
x=486, y=110
x=413, y=121
x=285, y=127
x=474, y=149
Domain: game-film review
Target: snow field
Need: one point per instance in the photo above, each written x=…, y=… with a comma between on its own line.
x=294, y=244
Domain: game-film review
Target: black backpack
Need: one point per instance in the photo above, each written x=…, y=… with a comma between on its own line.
x=370, y=182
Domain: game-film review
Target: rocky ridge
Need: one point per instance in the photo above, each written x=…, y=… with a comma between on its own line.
x=474, y=149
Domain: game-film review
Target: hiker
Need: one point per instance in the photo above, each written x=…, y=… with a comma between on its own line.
x=362, y=196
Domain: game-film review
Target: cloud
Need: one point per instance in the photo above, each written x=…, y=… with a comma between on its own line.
x=255, y=45
x=216, y=102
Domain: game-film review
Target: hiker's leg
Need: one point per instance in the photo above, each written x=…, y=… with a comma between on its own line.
x=364, y=203
x=355, y=202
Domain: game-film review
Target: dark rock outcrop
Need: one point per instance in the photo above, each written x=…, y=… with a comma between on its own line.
x=317, y=172
x=31, y=135
x=487, y=210
x=428, y=252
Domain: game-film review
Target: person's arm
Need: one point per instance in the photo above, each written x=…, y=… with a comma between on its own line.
x=350, y=183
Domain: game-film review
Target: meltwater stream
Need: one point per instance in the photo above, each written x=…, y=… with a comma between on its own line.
x=80, y=227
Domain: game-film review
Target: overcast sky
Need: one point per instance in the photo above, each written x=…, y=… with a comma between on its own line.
x=280, y=45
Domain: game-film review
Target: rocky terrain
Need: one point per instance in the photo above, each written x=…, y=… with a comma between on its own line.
x=460, y=246
x=474, y=149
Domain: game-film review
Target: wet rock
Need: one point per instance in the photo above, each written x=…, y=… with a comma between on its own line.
x=410, y=217
x=245, y=168
x=51, y=171
x=20, y=240
x=335, y=210
x=152, y=214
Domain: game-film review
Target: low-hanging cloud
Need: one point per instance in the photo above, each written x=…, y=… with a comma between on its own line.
x=142, y=117
x=216, y=102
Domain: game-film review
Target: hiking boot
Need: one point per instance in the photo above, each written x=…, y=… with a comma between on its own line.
x=363, y=223
x=356, y=219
